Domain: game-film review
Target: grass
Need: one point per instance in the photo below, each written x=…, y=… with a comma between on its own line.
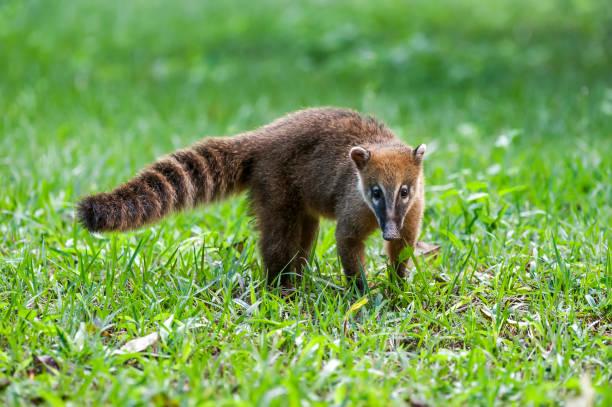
x=514, y=100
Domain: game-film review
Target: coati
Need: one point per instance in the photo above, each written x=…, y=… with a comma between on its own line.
x=316, y=162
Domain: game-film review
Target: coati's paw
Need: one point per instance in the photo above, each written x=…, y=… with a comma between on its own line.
x=358, y=284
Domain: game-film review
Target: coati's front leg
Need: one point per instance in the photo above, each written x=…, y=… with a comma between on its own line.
x=352, y=257
x=410, y=233
x=351, y=249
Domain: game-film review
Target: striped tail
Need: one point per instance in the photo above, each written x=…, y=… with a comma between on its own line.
x=204, y=172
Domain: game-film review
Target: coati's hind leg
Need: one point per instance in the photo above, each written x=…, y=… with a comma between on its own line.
x=279, y=245
x=280, y=241
x=309, y=227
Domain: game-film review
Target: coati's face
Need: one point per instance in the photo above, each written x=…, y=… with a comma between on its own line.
x=389, y=178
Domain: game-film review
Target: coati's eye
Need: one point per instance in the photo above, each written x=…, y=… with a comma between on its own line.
x=404, y=192
x=375, y=193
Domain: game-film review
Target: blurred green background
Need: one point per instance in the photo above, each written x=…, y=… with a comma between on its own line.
x=155, y=74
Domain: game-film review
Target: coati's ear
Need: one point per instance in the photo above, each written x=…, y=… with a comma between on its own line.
x=360, y=156
x=419, y=152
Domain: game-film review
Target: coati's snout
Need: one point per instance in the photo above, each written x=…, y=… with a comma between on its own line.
x=390, y=218
x=391, y=231
x=388, y=178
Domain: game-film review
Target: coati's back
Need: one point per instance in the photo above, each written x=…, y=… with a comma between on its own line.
x=303, y=153
x=303, y=158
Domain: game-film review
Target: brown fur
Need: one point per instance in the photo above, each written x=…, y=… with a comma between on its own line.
x=296, y=169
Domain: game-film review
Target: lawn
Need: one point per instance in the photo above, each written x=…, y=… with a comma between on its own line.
x=514, y=100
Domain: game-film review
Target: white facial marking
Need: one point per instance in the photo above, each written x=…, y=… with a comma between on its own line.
x=363, y=194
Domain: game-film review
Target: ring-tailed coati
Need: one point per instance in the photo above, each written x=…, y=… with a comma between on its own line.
x=317, y=162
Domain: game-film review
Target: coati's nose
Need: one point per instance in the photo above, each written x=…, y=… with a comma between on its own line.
x=390, y=237
x=391, y=232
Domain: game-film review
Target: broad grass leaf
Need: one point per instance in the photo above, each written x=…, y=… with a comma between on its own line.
x=138, y=344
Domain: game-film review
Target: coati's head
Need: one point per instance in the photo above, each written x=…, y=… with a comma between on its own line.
x=389, y=177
